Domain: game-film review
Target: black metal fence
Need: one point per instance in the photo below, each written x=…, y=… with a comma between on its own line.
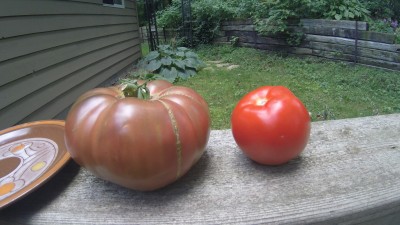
x=164, y=35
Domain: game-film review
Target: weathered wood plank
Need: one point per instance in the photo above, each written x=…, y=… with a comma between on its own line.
x=379, y=63
x=237, y=22
x=300, y=51
x=351, y=42
x=251, y=22
x=25, y=106
x=392, y=57
x=21, y=66
x=14, y=91
x=268, y=47
x=346, y=24
x=330, y=47
x=360, y=59
x=253, y=37
x=279, y=48
x=333, y=55
x=349, y=33
x=238, y=28
x=348, y=174
x=361, y=51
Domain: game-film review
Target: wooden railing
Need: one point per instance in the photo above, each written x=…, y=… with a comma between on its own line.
x=348, y=174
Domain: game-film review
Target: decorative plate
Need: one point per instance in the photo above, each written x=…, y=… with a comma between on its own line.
x=30, y=154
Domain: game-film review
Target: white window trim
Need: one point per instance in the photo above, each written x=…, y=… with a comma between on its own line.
x=122, y=6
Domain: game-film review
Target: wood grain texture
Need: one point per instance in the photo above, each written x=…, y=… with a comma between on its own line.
x=348, y=174
x=346, y=24
x=349, y=33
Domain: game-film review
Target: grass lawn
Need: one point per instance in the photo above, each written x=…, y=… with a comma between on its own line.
x=330, y=90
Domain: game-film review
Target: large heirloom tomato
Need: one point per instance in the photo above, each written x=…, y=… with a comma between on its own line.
x=143, y=144
x=271, y=125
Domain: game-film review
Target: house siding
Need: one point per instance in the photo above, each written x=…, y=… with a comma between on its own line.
x=52, y=51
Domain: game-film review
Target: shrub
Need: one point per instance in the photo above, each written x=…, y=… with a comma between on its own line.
x=380, y=25
x=169, y=63
x=171, y=16
x=383, y=8
x=206, y=17
x=397, y=33
x=244, y=9
x=279, y=16
x=275, y=17
x=347, y=9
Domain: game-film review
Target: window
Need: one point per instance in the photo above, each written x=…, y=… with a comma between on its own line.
x=114, y=3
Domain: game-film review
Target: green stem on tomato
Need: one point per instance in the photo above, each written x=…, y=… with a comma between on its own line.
x=133, y=89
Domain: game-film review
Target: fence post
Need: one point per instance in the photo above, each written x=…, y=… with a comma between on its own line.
x=165, y=35
x=356, y=45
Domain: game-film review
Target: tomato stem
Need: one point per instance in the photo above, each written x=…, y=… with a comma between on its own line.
x=133, y=89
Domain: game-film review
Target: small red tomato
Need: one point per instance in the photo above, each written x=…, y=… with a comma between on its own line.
x=271, y=125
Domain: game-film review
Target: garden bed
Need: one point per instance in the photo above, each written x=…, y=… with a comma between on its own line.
x=339, y=40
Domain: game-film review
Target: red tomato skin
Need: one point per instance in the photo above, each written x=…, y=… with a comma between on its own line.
x=140, y=144
x=271, y=125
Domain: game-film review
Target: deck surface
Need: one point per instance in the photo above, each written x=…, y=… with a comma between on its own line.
x=348, y=174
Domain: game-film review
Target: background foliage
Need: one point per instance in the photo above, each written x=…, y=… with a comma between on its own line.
x=274, y=16
x=329, y=89
x=170, y=63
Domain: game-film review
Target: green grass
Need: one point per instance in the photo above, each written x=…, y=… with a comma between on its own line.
x=330, y=90
x=144, y=48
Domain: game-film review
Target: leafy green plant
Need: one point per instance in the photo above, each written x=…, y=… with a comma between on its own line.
x=171, y=63
x=325, y=114
x=245, y=9
x=397, y=34
x=295, y=38
x=274, y=23
x=234, y=40
x=277, y=18
x=347, y=9
x=206, y=18
x=171, y=16
x=379, y=25
x=383, y=8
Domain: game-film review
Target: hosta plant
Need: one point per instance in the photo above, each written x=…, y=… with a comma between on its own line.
x=171, y=63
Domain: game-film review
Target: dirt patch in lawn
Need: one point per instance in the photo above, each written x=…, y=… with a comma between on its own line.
x=220, y=64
